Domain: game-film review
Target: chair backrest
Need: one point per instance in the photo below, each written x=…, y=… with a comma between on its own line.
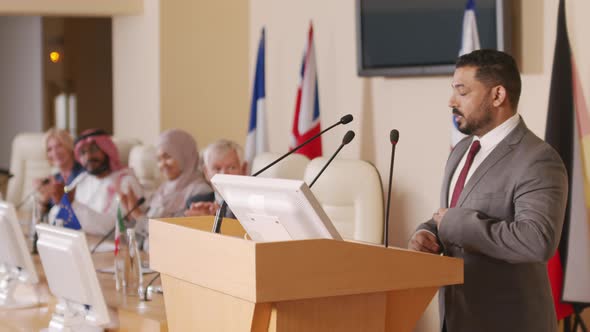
x=292, y=167
x=350, y=192
x=124, y=145
x=28, y=162
x=143, y=161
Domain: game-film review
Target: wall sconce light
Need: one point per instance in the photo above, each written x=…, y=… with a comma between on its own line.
x=54, y=56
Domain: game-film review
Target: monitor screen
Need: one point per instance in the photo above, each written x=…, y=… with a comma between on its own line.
x=70, y=272
x=16, y=264
x=275, y=209
x=14, y=252
x=421, y=37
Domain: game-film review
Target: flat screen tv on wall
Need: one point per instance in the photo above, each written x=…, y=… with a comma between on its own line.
x=423, y=37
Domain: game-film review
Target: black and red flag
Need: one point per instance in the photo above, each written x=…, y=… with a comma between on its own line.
x=568, y=131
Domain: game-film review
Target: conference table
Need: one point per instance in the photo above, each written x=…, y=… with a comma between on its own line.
x=131, y=313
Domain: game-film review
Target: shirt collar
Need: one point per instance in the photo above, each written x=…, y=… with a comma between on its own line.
x=496, y=135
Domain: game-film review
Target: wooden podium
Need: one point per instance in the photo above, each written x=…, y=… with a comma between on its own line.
x=216, y=282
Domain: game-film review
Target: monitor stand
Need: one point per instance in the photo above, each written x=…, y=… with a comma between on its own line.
x=10, y=280
x=69, y=316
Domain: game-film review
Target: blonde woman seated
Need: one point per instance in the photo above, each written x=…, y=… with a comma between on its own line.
x=59, y=148
x=178, y=160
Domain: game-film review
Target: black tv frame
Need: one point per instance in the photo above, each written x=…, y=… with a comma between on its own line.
x=504, y=42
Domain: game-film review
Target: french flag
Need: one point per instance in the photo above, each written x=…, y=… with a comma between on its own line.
x=469, y=43
x=307, y=108
x=256, y=141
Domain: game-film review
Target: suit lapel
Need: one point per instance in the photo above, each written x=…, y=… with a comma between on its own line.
x=499, y=152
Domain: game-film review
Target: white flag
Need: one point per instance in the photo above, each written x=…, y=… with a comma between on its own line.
x=469, y=43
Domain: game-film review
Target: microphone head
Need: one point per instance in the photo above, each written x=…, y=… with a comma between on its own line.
x=346, y=119
x=348, y=137
x=140, y=201
x=394, y=136
x=45, y=181
x=6, y=172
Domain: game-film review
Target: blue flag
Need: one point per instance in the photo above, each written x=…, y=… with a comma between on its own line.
x=66, y=213
x=257, y=141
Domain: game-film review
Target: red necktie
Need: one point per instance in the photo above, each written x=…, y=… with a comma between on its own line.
x=475, y=146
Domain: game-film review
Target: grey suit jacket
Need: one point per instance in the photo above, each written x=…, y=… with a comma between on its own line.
x=506, y=226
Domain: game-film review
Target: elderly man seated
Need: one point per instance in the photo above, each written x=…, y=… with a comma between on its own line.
x=220, y=157
x=94, y=198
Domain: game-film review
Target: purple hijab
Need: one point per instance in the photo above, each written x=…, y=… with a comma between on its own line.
x=169, y=200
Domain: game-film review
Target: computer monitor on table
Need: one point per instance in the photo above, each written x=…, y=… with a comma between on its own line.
x=275, y=209
x=72, y=279
x=16, y=264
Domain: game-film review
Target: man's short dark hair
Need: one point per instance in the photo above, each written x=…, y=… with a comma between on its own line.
x=494, y=68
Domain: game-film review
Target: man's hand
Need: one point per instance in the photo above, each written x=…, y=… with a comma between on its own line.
x=438, y=216
x=202, y=209
x=128, y=202
x=424, y=241
x=44, y=193
x=56, y=191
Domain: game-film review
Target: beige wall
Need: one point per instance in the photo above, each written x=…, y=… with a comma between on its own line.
x=204, y=68
x=182, y=64
x=415, y=106
x=136, y=74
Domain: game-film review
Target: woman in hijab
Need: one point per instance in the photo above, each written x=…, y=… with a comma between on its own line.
x=178, y=160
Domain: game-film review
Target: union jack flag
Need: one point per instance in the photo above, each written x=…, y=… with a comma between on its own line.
x=307, y=108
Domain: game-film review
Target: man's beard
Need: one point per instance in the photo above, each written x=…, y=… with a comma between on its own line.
x=104, y=167
x=473, y=125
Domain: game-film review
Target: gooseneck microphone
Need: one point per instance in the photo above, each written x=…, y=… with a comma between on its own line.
x=221, y=211
x=219, y=217
x=33, y=192
x=343, y=120
x=393, y=138
x=139, y=202
x=46, y=181
x=6, y=173
x=345, y=140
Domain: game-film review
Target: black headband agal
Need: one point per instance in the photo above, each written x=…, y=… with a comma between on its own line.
x=98, y=132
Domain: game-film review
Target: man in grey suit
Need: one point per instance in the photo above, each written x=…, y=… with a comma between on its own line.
x=503, y=202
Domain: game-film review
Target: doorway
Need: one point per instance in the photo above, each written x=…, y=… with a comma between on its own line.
x=77, y=67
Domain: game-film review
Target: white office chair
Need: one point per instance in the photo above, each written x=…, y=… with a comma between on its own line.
x=143, y=161
x=124, y=145
x=292, y=167
x=27, y=162
x=350, y=192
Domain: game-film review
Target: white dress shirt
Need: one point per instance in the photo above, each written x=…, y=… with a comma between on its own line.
x=488, y=143
x=95, y=203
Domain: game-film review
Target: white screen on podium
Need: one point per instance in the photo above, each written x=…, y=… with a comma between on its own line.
x=275, y=209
